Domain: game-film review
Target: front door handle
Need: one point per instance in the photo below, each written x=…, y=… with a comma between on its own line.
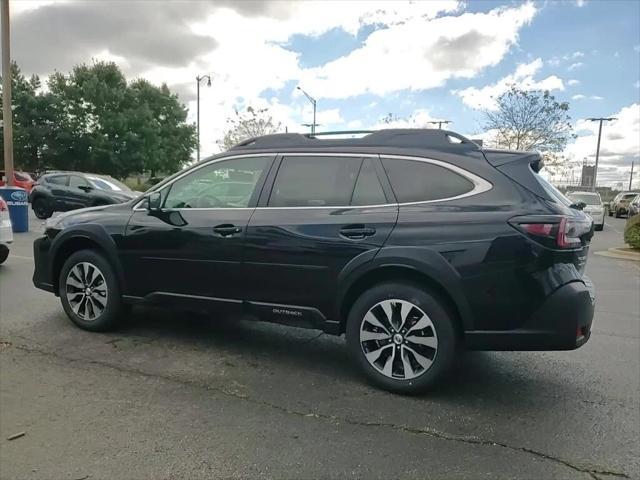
x=226, y=229
x=357, y=232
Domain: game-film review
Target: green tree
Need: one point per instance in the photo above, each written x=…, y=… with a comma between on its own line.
x=32, y=120
x=248, y=124
x=105, y=125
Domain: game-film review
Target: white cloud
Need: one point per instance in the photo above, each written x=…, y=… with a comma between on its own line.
x=637, y=84
x=582, y=97
x=573, y=82
x=420, y=54
x=578, y=97
x=580, y=3
x=575, y=65
x=619, y=145
x=596, y=97
x=485, y=97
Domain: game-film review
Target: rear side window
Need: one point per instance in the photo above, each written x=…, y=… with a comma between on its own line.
x=368, y=190
x=58, y=179
x=418, y=181
x=310, y=181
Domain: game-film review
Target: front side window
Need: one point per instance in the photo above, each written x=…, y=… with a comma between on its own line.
x=223, y=184
x=419, y=181
x=315, y=181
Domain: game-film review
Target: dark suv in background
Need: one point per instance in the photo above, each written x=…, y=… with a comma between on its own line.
x=63, y=191
x=415, y=243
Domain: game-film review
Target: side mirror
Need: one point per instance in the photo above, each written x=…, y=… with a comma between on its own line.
x=154, y=201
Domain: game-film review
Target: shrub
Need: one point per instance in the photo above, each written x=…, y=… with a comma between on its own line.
x=632, y=231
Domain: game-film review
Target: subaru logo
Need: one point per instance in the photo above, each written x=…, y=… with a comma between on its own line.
x=19, y=195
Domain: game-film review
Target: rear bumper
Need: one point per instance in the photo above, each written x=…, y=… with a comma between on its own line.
x=42, y=274
x=563, y=322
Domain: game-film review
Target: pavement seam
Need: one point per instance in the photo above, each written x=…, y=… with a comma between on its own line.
x=592, y=472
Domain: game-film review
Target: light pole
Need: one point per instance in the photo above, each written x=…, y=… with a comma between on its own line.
x=595, y=170
x=313, y=102
x=7, y=125
x=198, y=80
x=440, y=122
x=631, y=175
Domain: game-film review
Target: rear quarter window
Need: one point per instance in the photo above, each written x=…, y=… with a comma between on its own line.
x=420, y=181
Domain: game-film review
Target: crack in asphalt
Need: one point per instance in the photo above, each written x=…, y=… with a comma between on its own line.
x=592, y=472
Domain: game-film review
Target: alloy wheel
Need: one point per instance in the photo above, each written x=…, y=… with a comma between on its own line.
x=398, y=339
x=86, y=290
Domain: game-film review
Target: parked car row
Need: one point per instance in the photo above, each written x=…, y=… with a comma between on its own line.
x=63, y=191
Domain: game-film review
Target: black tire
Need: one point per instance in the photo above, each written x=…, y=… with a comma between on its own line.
x=599, y=228
x=610, y=213
x=41, y=208
x=4, y=253
x=442, y=322
x=618, y=213
x=113, y=308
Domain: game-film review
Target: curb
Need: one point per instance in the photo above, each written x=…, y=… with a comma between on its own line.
x=620, y=254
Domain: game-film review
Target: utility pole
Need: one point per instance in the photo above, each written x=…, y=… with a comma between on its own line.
x=631, y=176
x=440, y=123
x=198, y=80
x=7, y=115
x=595, y=170
x=314, y=103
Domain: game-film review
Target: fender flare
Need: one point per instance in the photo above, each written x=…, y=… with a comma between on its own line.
x=93, y=233
x=424, y=261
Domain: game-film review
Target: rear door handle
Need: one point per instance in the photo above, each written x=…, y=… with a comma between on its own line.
x=226, y=229
x=357, y=232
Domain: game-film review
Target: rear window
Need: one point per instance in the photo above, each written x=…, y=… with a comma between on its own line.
x=419, y=181
x=554, y=194
x=368, y=190
x=588, y=198
x=58, y=179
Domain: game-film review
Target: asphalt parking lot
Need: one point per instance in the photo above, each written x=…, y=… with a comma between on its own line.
x=175, y=396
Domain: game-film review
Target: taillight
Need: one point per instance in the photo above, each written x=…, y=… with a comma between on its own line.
x=557, y=232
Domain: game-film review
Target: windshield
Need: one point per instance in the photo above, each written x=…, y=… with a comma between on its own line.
x=588, y=198
x=108, y=183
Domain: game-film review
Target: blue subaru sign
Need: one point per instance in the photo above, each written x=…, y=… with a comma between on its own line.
x=18, y=202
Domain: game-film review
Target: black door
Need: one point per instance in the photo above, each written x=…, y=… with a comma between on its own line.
x=58, y=186
x=77, y=194
x=320, y=214
x=191, y=250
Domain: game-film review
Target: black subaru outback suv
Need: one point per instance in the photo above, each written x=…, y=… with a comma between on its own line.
x=415, y=243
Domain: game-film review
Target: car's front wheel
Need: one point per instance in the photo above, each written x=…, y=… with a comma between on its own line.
x=89, y=291
x=402, y=336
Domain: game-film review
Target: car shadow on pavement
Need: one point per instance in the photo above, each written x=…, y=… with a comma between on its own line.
x=504, y=378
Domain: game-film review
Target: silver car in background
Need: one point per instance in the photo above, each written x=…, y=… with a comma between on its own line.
x=634, y=206
x=593, y=206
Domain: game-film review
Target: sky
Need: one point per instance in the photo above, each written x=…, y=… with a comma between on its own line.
x=420, y=61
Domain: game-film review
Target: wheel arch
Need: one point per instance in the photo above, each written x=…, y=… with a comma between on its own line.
x=437, y=276
x=75, y=241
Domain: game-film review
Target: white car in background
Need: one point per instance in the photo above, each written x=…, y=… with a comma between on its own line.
x=593, y=206
x=6, y=233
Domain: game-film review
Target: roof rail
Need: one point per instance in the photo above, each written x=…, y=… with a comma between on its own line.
x=396, y=137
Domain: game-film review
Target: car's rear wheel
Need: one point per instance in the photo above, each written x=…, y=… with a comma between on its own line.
x=402, y=336
x=41, y=208
x=4, y=253
x=89, y=291
x=618, y=213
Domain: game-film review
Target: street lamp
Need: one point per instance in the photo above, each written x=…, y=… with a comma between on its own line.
x=198, y=80
x=313, y=102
